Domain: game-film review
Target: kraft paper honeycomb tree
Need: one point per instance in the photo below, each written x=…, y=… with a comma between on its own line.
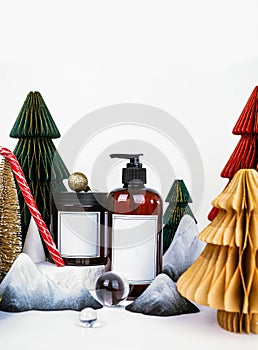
x=245, y=155
x=178, y=199
x=10, y=222
x=42, y=165
x=225, y=275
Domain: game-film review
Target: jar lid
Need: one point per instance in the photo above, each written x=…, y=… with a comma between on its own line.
x=80, y=198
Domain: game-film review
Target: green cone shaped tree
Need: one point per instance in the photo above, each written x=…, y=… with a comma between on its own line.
x=43, y=167
x=178, y=199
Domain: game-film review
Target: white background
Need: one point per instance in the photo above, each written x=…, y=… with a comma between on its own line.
x=197, y=60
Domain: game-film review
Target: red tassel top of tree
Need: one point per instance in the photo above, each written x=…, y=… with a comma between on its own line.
x=248, y=121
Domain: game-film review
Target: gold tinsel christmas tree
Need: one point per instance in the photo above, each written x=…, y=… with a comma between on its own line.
x=10, y=225
x=225, y=276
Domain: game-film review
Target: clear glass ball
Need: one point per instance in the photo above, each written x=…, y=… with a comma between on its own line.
x=88, y=317
x=111, y=289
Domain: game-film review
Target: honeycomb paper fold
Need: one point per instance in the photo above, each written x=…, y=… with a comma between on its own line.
x=225, y=276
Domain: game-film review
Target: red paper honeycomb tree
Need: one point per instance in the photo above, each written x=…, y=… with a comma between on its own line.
x=245, y=155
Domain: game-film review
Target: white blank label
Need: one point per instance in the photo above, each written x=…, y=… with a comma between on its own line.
x=134, y=247
x=79, y=234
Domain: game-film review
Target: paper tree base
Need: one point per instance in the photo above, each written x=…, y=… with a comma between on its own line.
x=237, y=323
x=254, y=324
x=230, y=321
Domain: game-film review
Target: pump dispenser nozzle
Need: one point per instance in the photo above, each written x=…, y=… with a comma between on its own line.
x=134, y=170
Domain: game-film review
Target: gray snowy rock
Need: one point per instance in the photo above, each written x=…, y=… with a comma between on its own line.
x=161, y=298
x=26, y=288
x=72, y=275
x=184, y=249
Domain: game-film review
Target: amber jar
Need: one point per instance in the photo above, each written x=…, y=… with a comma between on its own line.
x=79, y=227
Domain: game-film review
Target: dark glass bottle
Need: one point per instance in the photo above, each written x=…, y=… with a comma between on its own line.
x=79, y=224
x=135, y=220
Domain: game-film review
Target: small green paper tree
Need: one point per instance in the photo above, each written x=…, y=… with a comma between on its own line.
x=178, y=199
x=43, y=167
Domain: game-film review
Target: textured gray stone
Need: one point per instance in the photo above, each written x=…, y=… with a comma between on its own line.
x=161, y=298
x=26, y=288
x=184, y=249
x=72, y=275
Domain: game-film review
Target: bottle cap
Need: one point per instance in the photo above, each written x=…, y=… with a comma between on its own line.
x=134, y=172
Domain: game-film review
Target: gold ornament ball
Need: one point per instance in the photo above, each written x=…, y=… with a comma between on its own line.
x=78, y=182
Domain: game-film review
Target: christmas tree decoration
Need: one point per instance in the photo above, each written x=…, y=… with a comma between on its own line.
x=178, y=199
x=25, y=288
x=78, y=182
x=32, y=206
x=245, y=155
x=42, y=165
x=225, y=275
x=10, y=222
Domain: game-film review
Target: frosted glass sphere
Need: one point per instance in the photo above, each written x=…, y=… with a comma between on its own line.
x=111, y=289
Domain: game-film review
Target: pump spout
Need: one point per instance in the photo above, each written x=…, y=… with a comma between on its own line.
x=134, y=159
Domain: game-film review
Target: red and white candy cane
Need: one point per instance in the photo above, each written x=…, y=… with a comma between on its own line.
x=45, y=234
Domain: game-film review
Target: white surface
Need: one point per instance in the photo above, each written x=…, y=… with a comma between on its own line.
x=116, y=329
x=120, y=329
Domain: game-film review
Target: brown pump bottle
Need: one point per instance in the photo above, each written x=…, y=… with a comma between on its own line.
x=135, y=227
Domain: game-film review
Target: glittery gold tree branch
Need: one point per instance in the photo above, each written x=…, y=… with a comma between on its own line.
x=10, y=227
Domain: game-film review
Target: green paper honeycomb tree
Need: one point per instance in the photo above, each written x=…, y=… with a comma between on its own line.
x=42, y=165
x=178, y=199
